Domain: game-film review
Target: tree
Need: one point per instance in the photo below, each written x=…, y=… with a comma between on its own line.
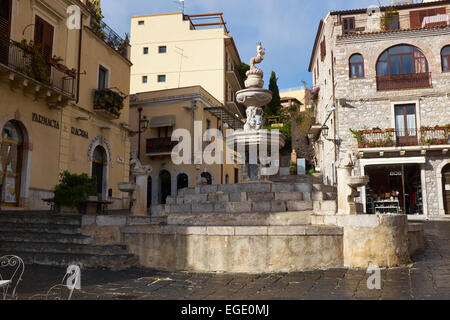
x=274, y=106
x=242, y=69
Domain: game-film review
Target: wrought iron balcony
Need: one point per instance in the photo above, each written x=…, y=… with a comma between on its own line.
x=108, y=102
x=27, y=61
x=378, y=138
x=404, y=81
x=110, y=37
x=160, y=146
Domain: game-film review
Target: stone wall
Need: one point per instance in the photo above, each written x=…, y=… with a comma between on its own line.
x=378, y=239
x=236, y=249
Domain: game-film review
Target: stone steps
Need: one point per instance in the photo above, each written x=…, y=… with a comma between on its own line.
x=40, y=227
x=241, y=219
x=56, y=239
x=113, y=262
x=36, y=217
x=241, y=207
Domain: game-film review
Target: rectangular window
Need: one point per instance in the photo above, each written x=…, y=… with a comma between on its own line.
x=348, y=25
x=5, y=18
x=43, y=36
x=162, y=49
x=103, y=74
x=236, y=175
x=162, y=78
x=405, y=124
x=145, y=50
x=144, y=79
x=323, y=50
x=419, y=18
x=141, y=22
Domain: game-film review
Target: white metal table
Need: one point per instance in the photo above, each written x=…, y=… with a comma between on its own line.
x=4, y=283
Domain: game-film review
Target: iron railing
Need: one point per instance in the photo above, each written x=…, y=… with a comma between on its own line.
x=110, y=37
x=30, y=63
x=109, y=101
x=160, y=145
x=402, y=138
x=404, y=81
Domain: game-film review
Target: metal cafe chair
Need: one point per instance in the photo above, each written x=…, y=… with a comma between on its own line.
x=12, y=268
x=64, y=290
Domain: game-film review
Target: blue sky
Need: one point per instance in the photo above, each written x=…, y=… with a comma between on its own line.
x=287, y=28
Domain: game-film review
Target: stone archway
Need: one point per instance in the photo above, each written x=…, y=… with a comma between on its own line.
x=440, y=185
x=205, y=173
x=100, y=144
x=15, y=163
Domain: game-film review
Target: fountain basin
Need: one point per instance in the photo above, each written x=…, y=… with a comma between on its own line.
x=356, y=182
x=127, y=186
x=254, y=97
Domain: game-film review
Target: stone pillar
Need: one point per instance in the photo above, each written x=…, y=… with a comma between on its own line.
x=343, y=190
x=140, y=204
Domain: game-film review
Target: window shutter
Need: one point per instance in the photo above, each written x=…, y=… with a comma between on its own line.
x=5, y=18
x=43, y=35
x=416, y=17
x=323, y=50
x=348, y=25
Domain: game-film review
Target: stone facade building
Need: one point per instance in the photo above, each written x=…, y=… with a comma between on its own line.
x=381, y=78
x=64, y=86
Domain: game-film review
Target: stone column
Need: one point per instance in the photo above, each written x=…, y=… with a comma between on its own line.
x=343, y=190
x=140, y=204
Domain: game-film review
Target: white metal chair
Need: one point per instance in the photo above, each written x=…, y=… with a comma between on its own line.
x=64, y=290
x=12, y=269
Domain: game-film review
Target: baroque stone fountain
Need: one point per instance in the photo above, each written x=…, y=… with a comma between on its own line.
x=253, y=135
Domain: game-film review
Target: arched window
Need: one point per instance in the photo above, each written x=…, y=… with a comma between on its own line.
x=207, y=176
x=182, y=181
x=227, y=179
x=356, y=66
x=401, y=59
x=445, y=54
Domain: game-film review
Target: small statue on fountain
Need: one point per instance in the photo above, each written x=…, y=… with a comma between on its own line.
x=259, y=58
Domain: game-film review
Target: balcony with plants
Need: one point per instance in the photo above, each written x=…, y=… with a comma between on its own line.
x=379, y=138
x=109, y=103
x=26, y=60
x=105, y=33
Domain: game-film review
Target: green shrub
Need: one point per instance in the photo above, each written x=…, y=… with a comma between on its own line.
x=73, y=188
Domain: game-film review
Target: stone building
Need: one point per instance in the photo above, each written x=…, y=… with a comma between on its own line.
x=381, y=78
x=165, y=111
x=176, y=50
x=63, y=100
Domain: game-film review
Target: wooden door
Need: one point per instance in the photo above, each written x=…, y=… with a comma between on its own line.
x=446, y=188
x=5, y=30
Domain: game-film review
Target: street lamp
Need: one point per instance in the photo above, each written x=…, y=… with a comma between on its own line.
x=325, y=131
x=310, y=135
x=142, y=127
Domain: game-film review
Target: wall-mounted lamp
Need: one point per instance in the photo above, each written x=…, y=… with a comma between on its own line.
x=82, y=118
x=55, y=107
x=325, y=131
x=124, y=124
x=105, y=128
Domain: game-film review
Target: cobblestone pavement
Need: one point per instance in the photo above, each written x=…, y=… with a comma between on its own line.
x=427, y=278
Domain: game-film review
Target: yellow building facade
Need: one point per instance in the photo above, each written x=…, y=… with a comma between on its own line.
x=174, y=51
x=64, y=101
x=297, y=93
x=169, y=110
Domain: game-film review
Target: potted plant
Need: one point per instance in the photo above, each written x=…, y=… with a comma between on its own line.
x=389, y=130
x=54, y=60
x=367, y=131
x=376, y=130
x=72, y=73
x=438, y=127
x=72, y=189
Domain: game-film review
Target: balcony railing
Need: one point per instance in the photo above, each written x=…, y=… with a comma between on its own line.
x=110, y=37
x=378, y=138
x=160, y=146
x=109, y=102
x=26, y=60
x=404, y=81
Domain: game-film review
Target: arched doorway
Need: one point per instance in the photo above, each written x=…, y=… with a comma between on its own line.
x=11, y=151
x=208, y=177
x=149, y=192
x=165, y=186
x=99, y=163
x=446, y=188
x=182, y=181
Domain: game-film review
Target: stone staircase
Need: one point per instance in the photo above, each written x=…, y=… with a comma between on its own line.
x=281, y=203
x=55, y=239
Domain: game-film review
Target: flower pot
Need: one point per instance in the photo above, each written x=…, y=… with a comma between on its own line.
x=377, y=131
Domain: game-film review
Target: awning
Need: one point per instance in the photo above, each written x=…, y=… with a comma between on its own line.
x=163, y=121
x=226, y=117
x=392, y=161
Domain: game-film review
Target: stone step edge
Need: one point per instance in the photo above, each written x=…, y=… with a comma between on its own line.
x=302, y=230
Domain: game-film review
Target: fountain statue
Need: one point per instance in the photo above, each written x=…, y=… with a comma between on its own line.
x=253, y=97
x=138, y=184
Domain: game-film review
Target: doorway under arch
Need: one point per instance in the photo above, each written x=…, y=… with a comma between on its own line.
x=11, y=161
x=165, y=186
x=208, y=177
x=446, y=188
x=99, y=164
x=182, y=181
